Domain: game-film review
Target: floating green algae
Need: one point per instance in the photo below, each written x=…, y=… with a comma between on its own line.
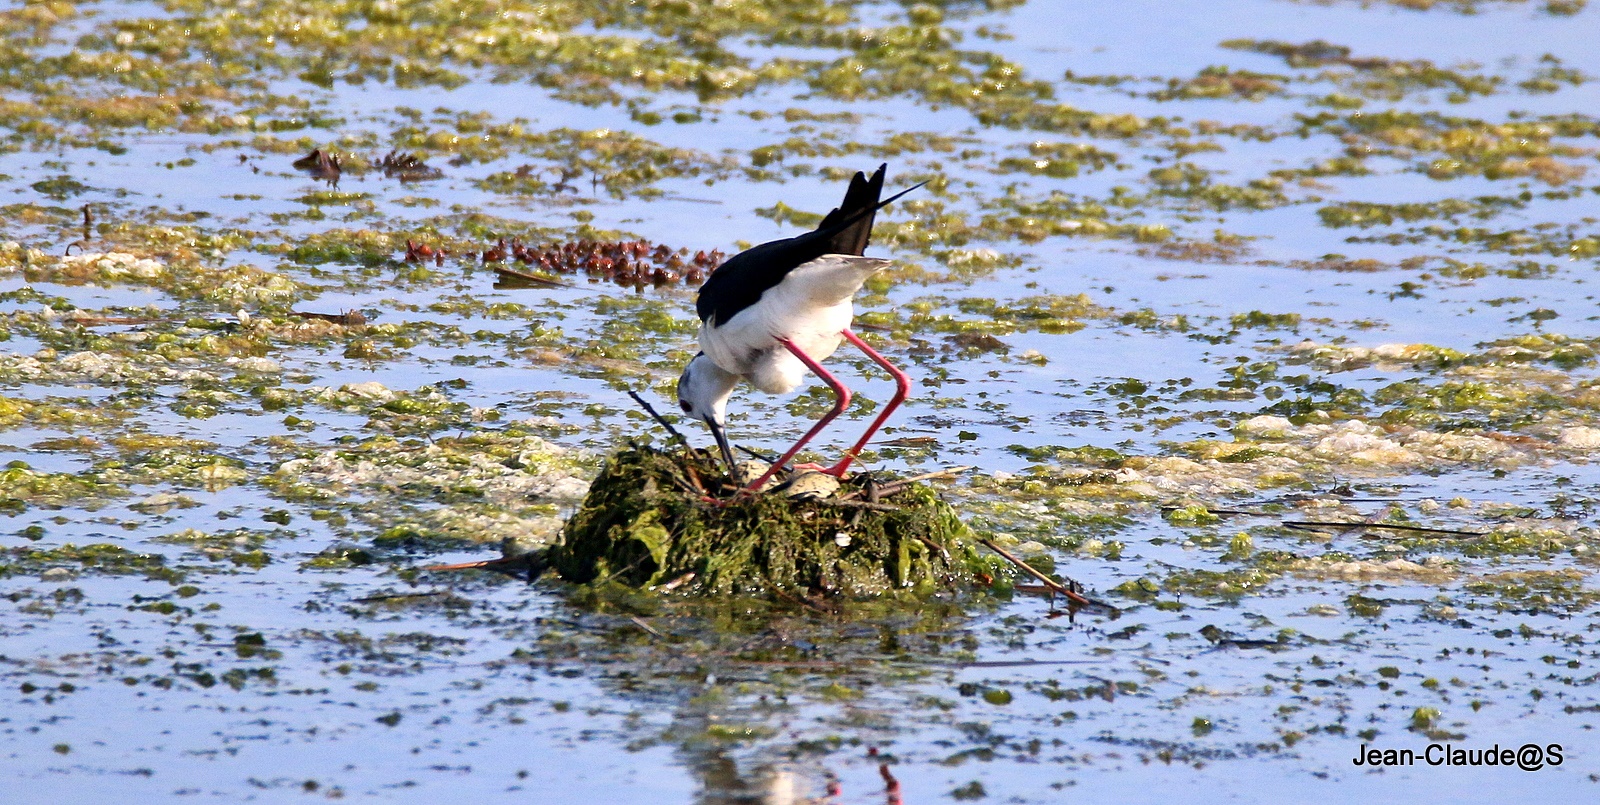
x=1289, y=231
x=644, y=524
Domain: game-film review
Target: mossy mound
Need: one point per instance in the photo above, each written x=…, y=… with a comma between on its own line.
x=644, y=523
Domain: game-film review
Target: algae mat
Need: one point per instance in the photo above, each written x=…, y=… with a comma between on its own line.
x=644, y=523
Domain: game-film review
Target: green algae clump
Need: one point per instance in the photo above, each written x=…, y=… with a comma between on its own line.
x=644, y=524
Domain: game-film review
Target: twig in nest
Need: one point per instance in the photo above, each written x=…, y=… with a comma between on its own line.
x=1074, y=597
x=694, y=478
x=684, y=484
x=858, y=504
x=893, y=487
x=936, y=546
x=1311, y=525
x=871, y=490
x=660, y=420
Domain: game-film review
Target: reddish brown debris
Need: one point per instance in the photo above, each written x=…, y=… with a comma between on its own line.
x=422, y=252
x=320, y=164
x=629, y=263
x=407, y=167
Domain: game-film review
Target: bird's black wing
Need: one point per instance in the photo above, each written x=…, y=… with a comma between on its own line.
x=739, y=283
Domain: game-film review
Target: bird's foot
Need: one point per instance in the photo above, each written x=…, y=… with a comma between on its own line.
x=837, y=470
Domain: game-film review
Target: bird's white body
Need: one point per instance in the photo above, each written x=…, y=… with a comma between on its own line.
x=811, y=307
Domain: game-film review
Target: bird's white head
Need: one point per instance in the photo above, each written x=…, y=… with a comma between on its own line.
x=703, y=391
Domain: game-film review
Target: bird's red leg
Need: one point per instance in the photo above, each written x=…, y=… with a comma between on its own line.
x=902, y=390
x=842, y=401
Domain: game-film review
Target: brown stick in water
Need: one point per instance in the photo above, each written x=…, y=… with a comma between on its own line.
x=1076, y=598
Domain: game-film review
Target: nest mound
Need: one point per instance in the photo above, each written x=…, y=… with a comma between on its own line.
x=646, y=523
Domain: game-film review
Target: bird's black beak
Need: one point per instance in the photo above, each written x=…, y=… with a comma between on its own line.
x=727, y=449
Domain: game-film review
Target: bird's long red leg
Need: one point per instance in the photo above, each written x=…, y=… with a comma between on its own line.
x=842, y=400
x=902, y=390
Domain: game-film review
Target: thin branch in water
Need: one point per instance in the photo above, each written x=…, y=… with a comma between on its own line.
x=676, y=197
x=1221, y=512
x=505, y=560
x=648, y=629
x=523, y=276
x=1312, y=525
x=85, y=320
x=1071, y=595
x=1022, y=663
x=678, y=582
x=1034, y=589
x=804, y=602
x=398, y=596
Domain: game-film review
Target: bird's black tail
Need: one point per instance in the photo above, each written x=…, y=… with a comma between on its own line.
x=846, y=229
x=853, y=217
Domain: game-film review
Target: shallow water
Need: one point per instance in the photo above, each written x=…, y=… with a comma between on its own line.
x=217, y=522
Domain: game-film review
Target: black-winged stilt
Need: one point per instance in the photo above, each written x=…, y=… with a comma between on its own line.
x=775, y=310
